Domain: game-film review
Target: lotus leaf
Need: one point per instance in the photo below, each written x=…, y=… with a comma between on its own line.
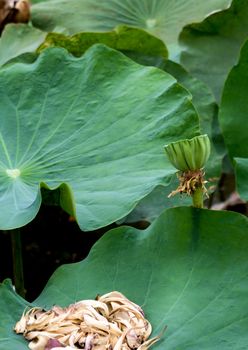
x=163, y=18
x=18, y=39
x=188, y=271
x=212, y=47
x=67, y=122
x=233, y=119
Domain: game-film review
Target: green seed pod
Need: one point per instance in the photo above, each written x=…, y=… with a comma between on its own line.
x=190, y=154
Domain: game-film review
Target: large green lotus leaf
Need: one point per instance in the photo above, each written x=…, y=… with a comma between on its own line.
x=212, y=47
x=148, y=50
x=164, y=18
x=188, y=271
x=17, y=39
x=233, y=118
x=95, y=125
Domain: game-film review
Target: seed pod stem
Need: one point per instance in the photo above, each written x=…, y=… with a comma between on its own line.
x=197, y=197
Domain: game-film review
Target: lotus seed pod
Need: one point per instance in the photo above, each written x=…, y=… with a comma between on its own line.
x=190, y=154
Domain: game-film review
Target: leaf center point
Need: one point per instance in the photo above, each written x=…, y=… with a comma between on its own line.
x=151, y=22
x=14, y=173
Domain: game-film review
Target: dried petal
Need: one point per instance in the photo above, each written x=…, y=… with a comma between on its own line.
x=53, y=343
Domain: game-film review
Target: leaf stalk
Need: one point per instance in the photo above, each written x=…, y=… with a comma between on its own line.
x=17, y=261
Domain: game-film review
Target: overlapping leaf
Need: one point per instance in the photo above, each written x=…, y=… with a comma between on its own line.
x=212, y=47
x=123, y=38
x=95, y=126
x=150, y=207
x=18, y=39
x=9, y=309
x=188, y=271
x=163, y=18
x=233, y=119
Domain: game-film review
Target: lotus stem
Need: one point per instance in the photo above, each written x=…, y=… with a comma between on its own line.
x=197, y=198
x=17, y=261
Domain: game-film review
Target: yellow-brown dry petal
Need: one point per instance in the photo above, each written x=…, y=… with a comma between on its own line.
x=96, y=304
x=35, y=334
x=133, y=341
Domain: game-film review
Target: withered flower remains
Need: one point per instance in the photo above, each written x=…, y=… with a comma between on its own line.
x=112, y=322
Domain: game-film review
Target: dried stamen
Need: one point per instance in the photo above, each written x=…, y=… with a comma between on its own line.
x=190, y=181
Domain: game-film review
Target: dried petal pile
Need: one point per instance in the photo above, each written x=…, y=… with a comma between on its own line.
x=112, y=322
